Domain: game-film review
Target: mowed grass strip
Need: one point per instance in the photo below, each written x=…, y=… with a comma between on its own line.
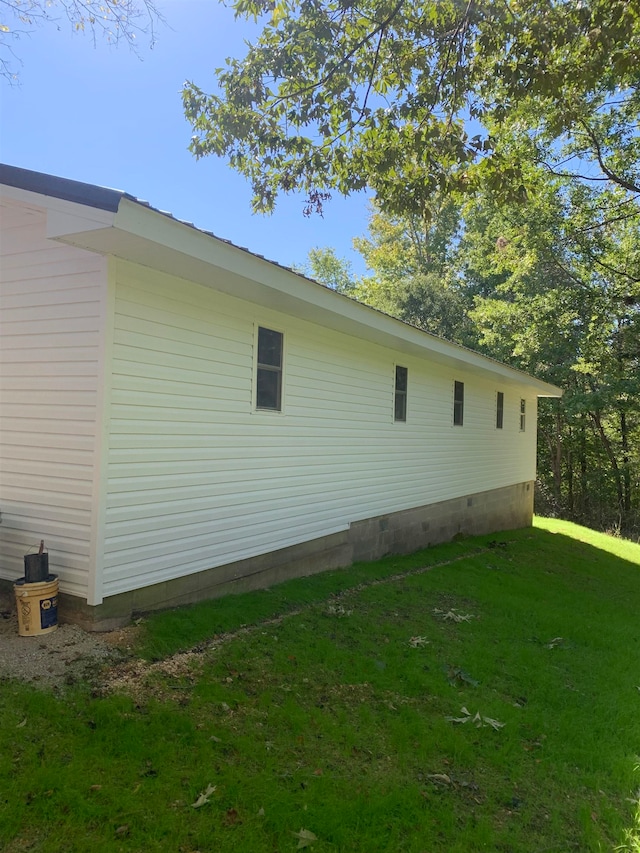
x=489, y=703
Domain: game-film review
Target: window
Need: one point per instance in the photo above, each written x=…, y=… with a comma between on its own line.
x=523, y=414
x=499, y=409
x=400, y=411
x=458, y=403
x=269, y=370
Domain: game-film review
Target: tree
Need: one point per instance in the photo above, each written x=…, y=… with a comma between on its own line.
x=558, y=294
x=412, y=266
x=412, y=98
x=326, y=267
x=115, y=20
x=553, y=289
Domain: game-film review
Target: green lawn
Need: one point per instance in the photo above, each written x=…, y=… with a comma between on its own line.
x=490, y=703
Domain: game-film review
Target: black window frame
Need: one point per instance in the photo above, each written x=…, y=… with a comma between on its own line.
x=269, y=396
x=458, y=403
x=523, y=414
x=400, y=394
x=499, y=409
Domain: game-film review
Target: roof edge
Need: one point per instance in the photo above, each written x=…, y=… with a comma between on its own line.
x=90, y=195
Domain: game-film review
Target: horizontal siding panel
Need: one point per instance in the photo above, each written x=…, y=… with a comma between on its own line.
x=18, y=544
x=171, y=313
x=36, y=411
x=378, y=488
x=48, y=334
x=83, y=293
x=50, y=371
x=48, y=514
x=180, y=296
x=41, y=426
x=130, y=490
x=55, y=484
x=58, y=340
x=24, y=443
x=141, y=329
x=49, y=355
x=200, y=355
x=49, y=383
x=145, y=360
x=132, y=374
x=66, y=464
x=51, y=300
x=155, y=392
x=33, y=270
x=68, y=316
x=71, y=397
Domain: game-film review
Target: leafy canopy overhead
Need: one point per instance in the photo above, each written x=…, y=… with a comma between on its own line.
x=414, y=97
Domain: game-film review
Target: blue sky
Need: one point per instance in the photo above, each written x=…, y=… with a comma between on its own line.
x=106, y=116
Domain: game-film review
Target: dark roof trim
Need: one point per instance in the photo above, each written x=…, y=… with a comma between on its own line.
x=64, y=188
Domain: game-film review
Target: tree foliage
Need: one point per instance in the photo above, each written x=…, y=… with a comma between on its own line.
x=326, y=267
x=553, y=289
x=412, y=266
x=115, y=20
x=420, y=98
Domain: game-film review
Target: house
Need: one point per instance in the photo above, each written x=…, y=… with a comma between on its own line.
x=181, y=418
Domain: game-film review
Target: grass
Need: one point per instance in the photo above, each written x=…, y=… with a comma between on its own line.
x=319, y=711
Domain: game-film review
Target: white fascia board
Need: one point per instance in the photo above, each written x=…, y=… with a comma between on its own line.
x=148, y=237
x=63, y=217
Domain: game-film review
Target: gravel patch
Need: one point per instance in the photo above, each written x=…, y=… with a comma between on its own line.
x=51, y=661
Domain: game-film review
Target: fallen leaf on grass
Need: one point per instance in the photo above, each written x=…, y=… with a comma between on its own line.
x=456, y=675
x=24, y=723
x=557, y=641
x=495, y=724
x=305, y=838
x=479, y=720
x=417, y=642
x=232, y=817
x=440, y=778
x=454, y=616
x=203, y=797
x=465, y=719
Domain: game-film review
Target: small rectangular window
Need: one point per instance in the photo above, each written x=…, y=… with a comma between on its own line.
x=458, y=403
x=402, y=378
x=499, y=409
x=523, y=414
x=269, y=370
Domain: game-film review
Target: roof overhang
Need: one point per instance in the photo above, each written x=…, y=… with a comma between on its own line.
x=110, y=222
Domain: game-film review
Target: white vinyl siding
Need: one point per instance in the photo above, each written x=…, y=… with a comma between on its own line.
x=51, y=314
x=198, y=478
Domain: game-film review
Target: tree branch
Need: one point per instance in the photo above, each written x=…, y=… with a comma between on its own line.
x=343, y=61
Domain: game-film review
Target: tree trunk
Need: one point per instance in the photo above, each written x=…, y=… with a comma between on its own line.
x=597, y=420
